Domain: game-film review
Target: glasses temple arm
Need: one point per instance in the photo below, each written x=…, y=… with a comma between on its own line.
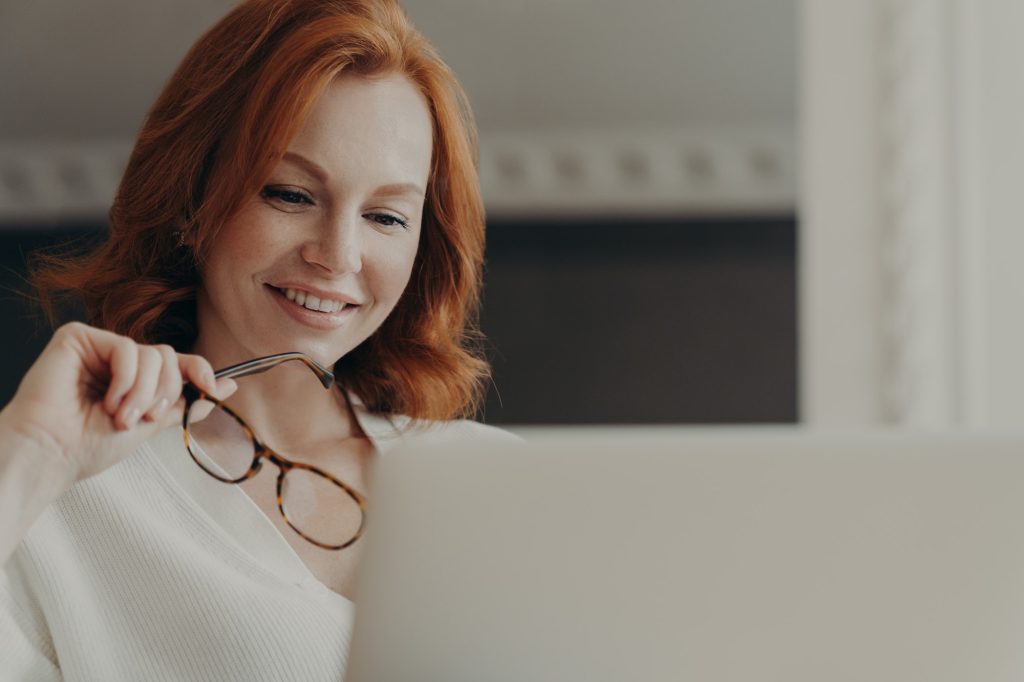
x=260, y=365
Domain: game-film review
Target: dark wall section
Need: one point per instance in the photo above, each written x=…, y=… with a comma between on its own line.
x=632, y=321
x=684, y=321
x=25, y=332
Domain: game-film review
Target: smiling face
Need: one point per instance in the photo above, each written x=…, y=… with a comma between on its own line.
x=317, y=260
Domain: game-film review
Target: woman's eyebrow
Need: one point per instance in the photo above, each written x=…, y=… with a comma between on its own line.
x=313, y=168
x=318, y=172
x=398, y=189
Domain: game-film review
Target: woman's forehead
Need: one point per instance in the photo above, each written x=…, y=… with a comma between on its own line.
x=381, y=120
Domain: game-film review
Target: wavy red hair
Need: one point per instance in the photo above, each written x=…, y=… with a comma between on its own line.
x=211, y=140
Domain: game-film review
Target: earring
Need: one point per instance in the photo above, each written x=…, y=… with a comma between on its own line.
x=179, y=237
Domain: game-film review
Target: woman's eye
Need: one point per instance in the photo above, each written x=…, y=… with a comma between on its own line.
x=285, y=195
x=388, y=220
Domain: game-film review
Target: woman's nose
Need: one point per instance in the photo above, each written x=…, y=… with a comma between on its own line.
x=337, y=247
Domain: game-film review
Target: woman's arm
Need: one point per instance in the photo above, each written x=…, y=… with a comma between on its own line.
x=30, y=479
x=87, y=402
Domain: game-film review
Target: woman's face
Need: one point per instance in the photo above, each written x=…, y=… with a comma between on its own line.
x=318, y=259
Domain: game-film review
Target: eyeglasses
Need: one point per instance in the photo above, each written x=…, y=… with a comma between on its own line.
x=318, y=506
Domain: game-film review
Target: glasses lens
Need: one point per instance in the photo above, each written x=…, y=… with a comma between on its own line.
x=218, y=442
x=319, y=508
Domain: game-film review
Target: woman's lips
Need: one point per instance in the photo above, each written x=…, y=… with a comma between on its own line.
x=312, y=318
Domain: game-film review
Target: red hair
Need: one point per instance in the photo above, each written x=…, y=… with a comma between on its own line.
x=211, y=140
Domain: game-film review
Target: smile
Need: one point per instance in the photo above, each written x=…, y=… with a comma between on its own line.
x=326, y=315
x=311, y=302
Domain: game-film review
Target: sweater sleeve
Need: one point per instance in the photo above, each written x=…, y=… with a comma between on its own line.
x=26, y=653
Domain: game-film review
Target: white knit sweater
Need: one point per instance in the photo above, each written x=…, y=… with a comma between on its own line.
x=153, y=570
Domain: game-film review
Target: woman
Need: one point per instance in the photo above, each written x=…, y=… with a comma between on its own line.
x=305, y=183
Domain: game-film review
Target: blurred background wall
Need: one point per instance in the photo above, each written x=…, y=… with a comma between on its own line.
x=910, y=275
x=638, y=162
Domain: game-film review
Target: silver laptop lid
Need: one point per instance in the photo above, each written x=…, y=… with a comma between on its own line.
x=696, y=555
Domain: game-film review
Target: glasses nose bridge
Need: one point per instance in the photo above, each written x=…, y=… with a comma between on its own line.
x=283, y=465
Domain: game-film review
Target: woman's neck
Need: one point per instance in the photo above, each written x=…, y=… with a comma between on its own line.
x=287, y=407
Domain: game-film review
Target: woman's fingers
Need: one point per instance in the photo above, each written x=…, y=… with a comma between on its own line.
x=224, y=388
x=168, y=389
x=197, y=371
x=87, y=393
x=143, y=381
x=141, y=396
x=123, y=360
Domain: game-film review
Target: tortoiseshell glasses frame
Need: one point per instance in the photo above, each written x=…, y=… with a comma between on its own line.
x=261, y=450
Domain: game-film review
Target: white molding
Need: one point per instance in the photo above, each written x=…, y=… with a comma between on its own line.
x=895, y=283
x=918, y=305
x=991, y=107
x=671, y=172
x=523, y=174
x=49, y=181
x=970, y=215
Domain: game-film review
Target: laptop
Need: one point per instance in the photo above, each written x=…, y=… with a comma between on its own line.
x=611, y=554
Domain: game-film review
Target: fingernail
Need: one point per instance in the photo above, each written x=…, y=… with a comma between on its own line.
x=156, y=412
x=116, y=402
x=226, y=387
x=133, y=416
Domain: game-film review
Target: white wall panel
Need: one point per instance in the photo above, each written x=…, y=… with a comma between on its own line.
x=911, y=229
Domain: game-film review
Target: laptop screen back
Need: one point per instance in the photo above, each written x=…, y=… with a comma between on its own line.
x=764, y=554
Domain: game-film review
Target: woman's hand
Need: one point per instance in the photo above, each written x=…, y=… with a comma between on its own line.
x=92, y=397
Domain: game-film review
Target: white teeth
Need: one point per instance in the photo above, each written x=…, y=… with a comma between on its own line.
x=311, y=302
